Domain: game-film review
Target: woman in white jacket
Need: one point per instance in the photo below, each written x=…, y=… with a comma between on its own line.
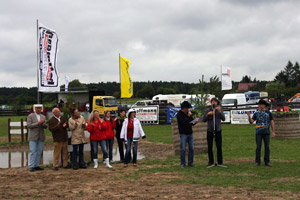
x=131, y=133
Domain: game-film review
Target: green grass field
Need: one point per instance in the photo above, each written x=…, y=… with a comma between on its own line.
x=238, y=153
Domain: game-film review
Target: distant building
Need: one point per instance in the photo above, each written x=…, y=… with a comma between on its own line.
x=245, y=86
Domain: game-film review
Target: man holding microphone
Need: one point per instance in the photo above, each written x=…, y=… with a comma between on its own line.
x=213, y=116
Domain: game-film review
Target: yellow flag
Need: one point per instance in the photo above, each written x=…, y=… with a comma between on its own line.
x=126, y=83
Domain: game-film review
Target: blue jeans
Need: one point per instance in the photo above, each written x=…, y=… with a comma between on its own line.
x=186, y=138
x=128, y=151
x=74, y=154
x=266, y=139
x=36, y=149
x=95, y=148
x=109, y=147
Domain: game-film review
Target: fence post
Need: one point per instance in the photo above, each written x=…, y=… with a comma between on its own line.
x=22, y=131
x=26, y=129
x=9, y=137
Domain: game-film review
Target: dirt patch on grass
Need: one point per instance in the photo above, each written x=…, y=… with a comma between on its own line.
x=119, y=182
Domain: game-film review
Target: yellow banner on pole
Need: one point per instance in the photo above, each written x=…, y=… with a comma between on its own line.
x=125, y=80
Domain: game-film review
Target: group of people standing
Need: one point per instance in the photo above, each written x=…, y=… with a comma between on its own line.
x=213, y=116
x=128, y=131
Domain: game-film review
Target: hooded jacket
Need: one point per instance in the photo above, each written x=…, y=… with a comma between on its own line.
x=137, y=130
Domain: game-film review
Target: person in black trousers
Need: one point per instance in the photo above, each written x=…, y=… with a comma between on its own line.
x=213, y=116
x=119, y=124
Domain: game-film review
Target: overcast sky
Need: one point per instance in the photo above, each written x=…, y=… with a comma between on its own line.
x=165, y=40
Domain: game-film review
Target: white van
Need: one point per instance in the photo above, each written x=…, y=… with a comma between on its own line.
x=234, y=99
x=174, y=99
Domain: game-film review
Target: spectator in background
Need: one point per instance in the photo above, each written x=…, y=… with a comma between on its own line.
x=110, y=134
x=77, y=125
x=96, y=127
x=36, y=124
x=131, y=132
x=184, y=119
x=58, y=126
x=119, y=124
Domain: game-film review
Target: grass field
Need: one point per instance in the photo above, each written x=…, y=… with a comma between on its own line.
x=238, y=153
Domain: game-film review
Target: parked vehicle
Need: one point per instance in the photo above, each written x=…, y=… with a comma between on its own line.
x=143, y=103
x=234, y=99
x=252, y=95
x=105, y=103
x=172, y=99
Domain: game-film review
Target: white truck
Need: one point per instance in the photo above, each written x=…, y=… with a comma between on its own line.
x=233, y=99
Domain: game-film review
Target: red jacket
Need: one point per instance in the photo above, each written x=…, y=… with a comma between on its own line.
x=97, y=134
x=109, y=129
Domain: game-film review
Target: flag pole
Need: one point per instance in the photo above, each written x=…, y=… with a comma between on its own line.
x=120, y=78
x=37, y=58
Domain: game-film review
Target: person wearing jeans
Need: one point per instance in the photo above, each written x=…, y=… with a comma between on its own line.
x=128, y=150
x=96, y=127
x=110, y=134
x=184, y=119
x=36, y=124
x=186, y=138
x=264, y=119
x=131, y=132
x=259, y=138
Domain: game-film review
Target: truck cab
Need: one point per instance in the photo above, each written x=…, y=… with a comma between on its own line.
x=105, y=103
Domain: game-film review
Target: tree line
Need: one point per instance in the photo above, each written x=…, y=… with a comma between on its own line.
x=285, y=84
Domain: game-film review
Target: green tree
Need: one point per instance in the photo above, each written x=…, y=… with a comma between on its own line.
x=246, y=79
x=76, y=84
x=146, y=92
x=214, y=86
x=276, y=89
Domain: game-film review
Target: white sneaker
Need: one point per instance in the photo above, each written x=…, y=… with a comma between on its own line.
x=107, y=163
x=95, y=163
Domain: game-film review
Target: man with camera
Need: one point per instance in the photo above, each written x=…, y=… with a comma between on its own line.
x=213, y=116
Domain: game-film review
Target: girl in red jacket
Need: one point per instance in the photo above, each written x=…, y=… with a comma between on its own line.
x=96, y=127
x=110, y=134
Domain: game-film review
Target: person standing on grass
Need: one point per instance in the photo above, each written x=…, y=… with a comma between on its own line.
x=263, y=120
x=110, y=134
x=131, y=132
x=96, y=127
x=77, y=125
x=58, y=126
x=119, y=124
x=184, y=119
x=36, y=123
x=213, y=116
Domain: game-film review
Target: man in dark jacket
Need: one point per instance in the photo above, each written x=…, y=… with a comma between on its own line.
x=58, y=126
x=184, y=119
x=213, y=116
x=119, y=124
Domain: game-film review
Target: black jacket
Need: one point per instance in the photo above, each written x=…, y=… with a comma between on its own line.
x=184, y=125
x=119, y=124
